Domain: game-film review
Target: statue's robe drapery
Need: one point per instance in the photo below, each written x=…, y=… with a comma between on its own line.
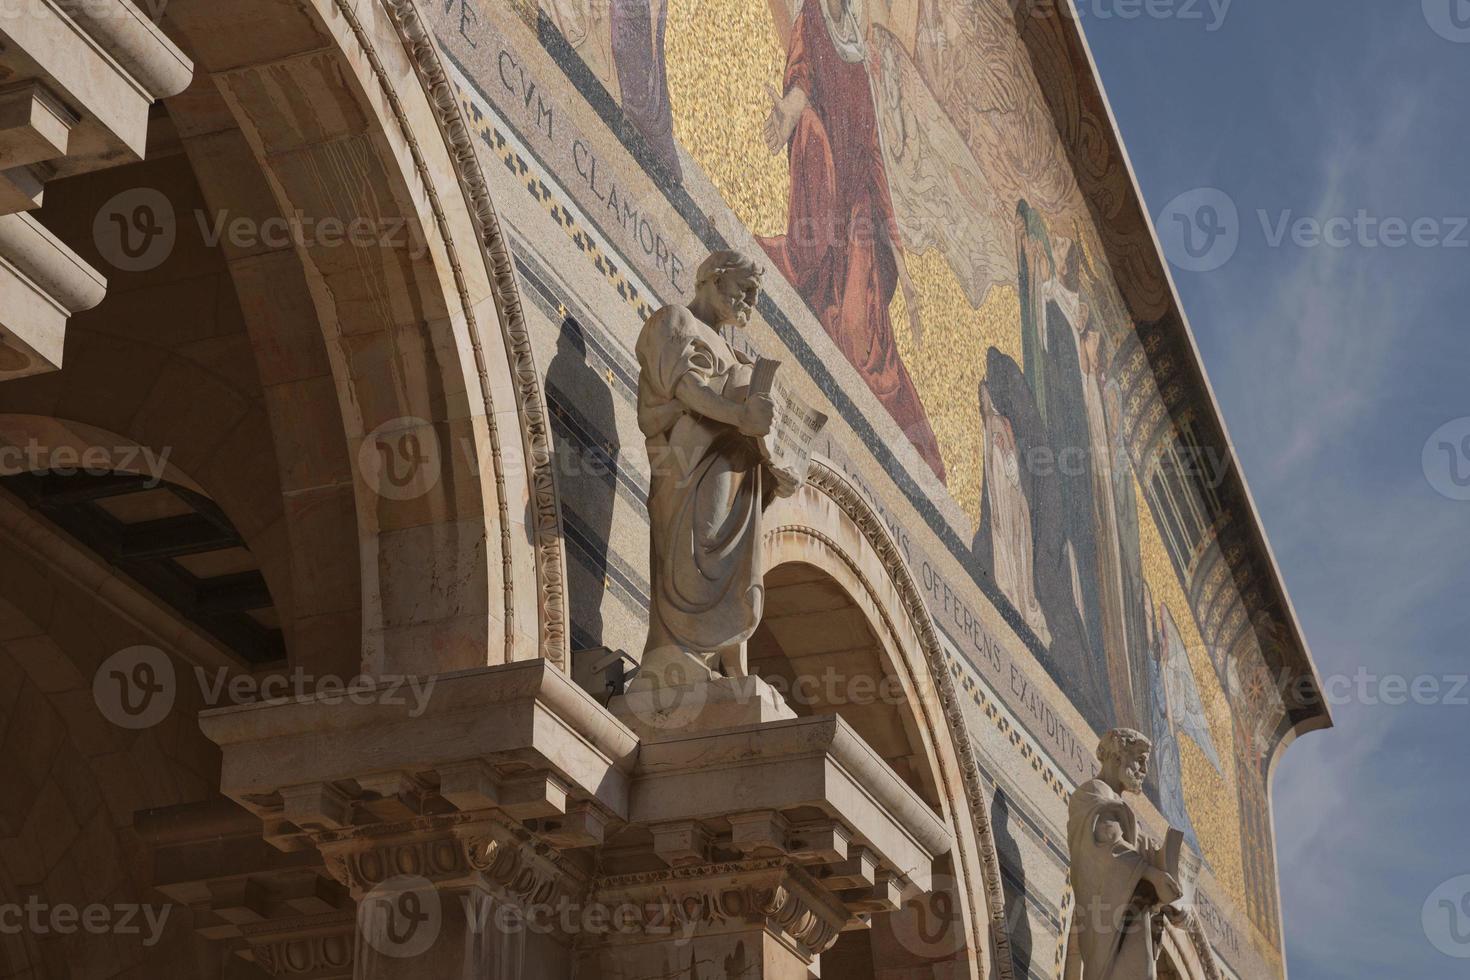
x=1112, y=929
x=838, y=250
x=706, y=492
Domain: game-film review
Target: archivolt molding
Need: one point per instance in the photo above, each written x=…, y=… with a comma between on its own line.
x=832, y=484
x=531, y=402
x=1209, y=968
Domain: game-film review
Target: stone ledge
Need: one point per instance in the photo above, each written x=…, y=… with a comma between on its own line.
x=107, y=63
x=42, y=284
x=135, y=43
x=802, y=766
x=528, y=716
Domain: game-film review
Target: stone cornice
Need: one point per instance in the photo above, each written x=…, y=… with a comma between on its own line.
x=773, y=893
x=135, y=43
x=529, y=713
x=818, y=762
x=54, y=270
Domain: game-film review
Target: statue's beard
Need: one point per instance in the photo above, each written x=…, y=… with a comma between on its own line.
x=739, y=314
x=1133, y=780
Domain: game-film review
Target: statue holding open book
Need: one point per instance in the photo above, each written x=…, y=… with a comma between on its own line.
x=724, y=437
x=1127, y=886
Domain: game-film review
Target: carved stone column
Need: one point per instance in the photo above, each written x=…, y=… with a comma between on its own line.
x=456, y=897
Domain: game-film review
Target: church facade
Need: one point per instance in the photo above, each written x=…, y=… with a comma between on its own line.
x=325, y=508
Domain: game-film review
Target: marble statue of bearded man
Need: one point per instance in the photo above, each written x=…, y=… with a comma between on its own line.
x=709, y=485
x=1122, y=892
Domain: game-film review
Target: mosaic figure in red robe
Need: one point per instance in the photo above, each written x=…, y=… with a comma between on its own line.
x=842, y=249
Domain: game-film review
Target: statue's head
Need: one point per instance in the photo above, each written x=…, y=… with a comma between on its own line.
x=727, y=285
x=1123, y=753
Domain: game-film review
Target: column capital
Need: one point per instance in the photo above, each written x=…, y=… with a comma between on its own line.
x=710, y=899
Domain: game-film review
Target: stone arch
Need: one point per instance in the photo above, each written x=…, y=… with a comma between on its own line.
x=407, y=349
x=828, y=526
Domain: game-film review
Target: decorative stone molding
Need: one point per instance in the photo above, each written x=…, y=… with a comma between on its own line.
x=135, y=43
x=804, y=788
x=773, y=894
x=101, y=65
x=461, y=850
x=502, y=767
x=516, y=337
x=312, y=948
x=280, y=910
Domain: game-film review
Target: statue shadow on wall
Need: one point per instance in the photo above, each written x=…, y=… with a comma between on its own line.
x=1018, y=926
x=585, y=452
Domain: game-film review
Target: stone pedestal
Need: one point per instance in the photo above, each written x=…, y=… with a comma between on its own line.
x=652, y=710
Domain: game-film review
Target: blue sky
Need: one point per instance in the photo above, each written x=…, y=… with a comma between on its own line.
x=1334, y=365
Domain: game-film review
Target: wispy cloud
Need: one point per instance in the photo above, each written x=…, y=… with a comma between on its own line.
x=1310, y=367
